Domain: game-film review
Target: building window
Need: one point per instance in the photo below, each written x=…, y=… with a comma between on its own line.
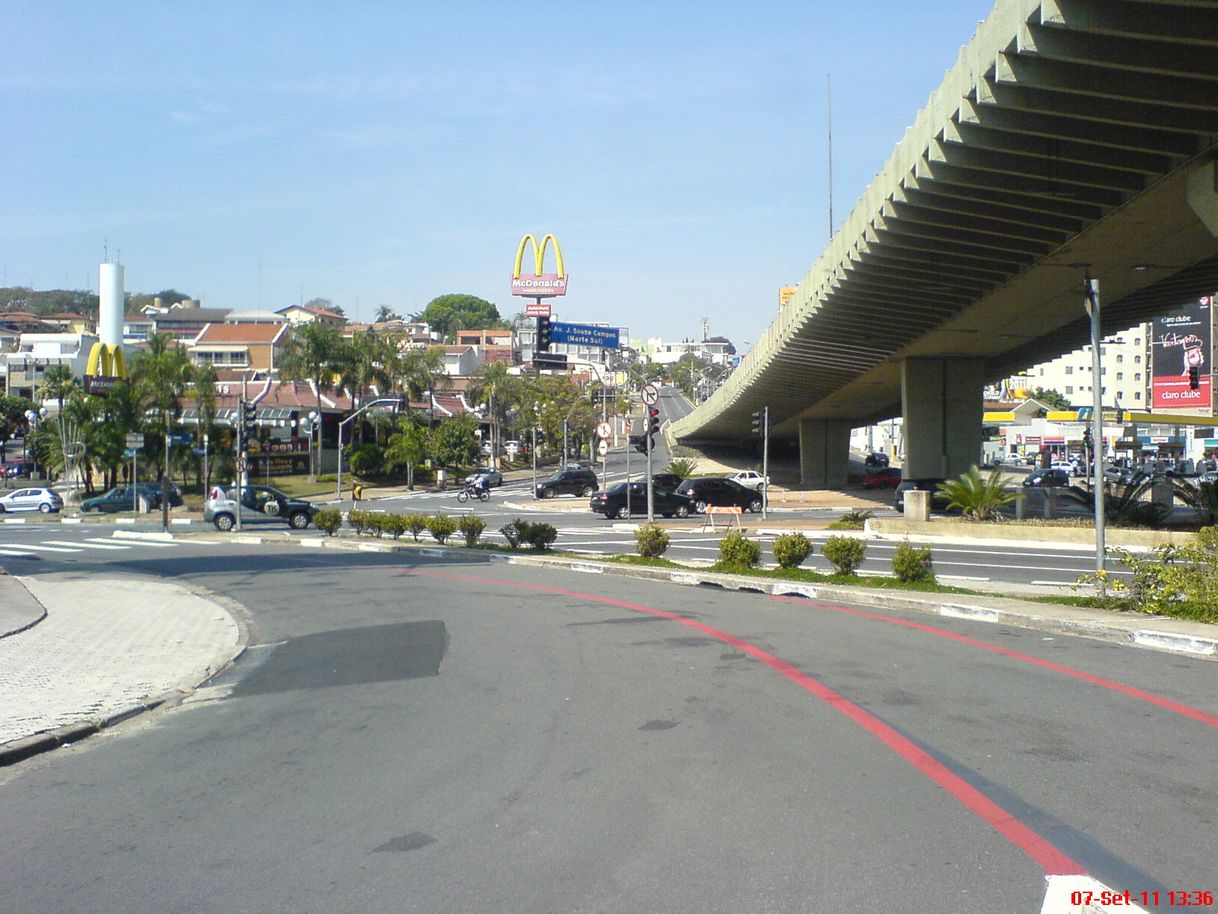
x=1069, y=369
x=1137, y=375
x=1069, y=389
x=1120, y=376
x=1120, y=358
x=1137, y=360
x=1137, y=395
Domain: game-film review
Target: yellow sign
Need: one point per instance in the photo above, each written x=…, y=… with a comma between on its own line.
x=785, y=294
x=106, y=360
x=539, y=285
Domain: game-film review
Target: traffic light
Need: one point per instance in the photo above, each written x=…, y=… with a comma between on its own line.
x=759, y=423
x=653, y=424
x=1194, y=377
x=249, y=416
x=543, y=334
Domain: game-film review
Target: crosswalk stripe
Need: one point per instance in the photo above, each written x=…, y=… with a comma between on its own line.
x=41, y=548
x=89, y=545
x=13, y=553
x=134, y=542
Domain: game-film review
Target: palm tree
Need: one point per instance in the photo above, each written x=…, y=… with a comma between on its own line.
x=422, y=371
x=978, y=498
x=58, y=384
x=314, y=353
x=162, y=375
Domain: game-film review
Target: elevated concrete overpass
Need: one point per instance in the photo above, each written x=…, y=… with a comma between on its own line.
x=1071, y=138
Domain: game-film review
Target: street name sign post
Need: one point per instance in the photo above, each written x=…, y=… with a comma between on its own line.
x=585, y=335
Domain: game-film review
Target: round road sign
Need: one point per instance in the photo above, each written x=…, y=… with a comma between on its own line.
x=604, y=429
x=651, y=394
x=603, y=447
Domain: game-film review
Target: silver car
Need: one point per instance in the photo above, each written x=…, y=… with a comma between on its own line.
x=32, y=499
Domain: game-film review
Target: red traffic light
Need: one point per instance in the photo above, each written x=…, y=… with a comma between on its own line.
x=653, y=411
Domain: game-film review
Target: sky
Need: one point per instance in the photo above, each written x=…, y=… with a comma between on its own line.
x=260, y=155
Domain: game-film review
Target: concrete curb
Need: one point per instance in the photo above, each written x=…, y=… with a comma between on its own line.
x=1195, y=639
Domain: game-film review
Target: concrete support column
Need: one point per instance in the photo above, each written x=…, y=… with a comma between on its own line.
x=941, y=401
x=824, y=453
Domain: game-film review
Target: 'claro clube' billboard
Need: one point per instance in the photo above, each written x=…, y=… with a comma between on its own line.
x=1183, y=340
x=539, y=284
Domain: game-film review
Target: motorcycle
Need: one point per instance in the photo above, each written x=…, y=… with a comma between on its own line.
x=473, y=492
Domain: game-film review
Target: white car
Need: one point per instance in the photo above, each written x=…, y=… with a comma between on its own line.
x=750, y=479
x=35, y=499
x=1065, y=467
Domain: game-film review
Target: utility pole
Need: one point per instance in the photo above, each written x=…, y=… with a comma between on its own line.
x=1091, y=290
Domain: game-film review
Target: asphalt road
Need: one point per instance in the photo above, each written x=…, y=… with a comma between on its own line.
x=422, y=735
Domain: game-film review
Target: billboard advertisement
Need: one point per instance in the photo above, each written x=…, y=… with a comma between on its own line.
x=1182, y=340
x=539, y=285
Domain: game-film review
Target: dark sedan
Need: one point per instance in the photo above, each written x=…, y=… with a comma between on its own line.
x=722, y=493
x=612, y=501
x=1049, y=479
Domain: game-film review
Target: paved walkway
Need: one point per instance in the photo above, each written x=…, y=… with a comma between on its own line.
x=103, y=649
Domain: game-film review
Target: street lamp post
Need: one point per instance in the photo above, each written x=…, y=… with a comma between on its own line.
x=1091, y=291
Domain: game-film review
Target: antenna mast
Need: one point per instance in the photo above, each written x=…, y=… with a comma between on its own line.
x=829, y=103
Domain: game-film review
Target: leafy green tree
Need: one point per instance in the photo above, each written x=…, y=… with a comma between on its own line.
x=446, y=314
x=1050, y=398
x=385, y=313
x=161, y=376
x=58, y=383
x=978, y=498
x=12, y=415
x=453, y=443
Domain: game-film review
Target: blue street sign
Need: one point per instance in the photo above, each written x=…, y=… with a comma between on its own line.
x=199, y=451
x=129, y=453
x=584, y=335
x=179, y=438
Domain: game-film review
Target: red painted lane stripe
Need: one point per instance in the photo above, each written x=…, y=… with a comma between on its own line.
x=1044, y=854
x=1174, y=706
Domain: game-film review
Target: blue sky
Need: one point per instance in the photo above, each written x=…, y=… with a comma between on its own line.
x=389, y=153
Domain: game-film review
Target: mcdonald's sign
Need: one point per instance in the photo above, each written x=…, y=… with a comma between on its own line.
x=539, y=284
x=104, y=368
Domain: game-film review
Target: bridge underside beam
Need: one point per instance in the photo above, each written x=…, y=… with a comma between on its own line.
x=942, y=408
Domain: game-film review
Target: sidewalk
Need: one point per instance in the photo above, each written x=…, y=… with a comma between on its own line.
x=77, y=655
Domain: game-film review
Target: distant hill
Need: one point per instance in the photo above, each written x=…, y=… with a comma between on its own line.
x=59, y=301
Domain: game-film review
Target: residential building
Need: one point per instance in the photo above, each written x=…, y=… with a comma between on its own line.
x=36, y=352
x=1125, y=372
x=303, y=314
x=241, y=345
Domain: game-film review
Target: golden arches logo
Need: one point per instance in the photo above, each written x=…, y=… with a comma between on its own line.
x=539, y=254
x=106, y=360
x=539, y=284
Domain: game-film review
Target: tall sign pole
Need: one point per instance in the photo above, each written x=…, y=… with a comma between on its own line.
x=1091, y=288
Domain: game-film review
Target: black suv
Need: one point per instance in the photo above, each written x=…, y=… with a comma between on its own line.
x=568, y=482
x=710, y=490
x=612, y=501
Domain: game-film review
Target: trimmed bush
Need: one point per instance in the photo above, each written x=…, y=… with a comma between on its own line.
x=738, y=551
x=416, y=524
x=651, y=540
x=540, y=536
x=395, y=525
x=844, y=552
x=441, y=527
x=365, y=459
x=377, y=524
x=328, y=520
x=913, y=565
x=471, y=527
x=358, y=520
x=790, y=550
x=512, y=533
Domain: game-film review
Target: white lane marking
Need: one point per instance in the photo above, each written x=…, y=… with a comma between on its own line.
x=13, y=553
x=83, y=545
x=41, y=548
x=134, y=542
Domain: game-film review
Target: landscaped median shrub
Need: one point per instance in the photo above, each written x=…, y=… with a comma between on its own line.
x=852, y=520
x=913, y=564
x=512, y=533
x=441, y=527
x=471, y=527
x=844, y=552
x=651, y=541
x=790, y=549
x=520, y=532
x=395, y=525
x=328, y=520
x=738, y=551
x=416, y=524
x=358, y=520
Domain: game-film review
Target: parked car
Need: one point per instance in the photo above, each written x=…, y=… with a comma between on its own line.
x=257, y=505
x=492, y=478
x=611, y=502
x=1070, y=469
x=707, y=491
x=1051, y=478
x=568, y=482
x=118, y=499
x=882, y=478
x=876, y=459
x=512, y=448
x=31, y=499
x=922, y=485
x=750, y=479
x=1012, y=460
